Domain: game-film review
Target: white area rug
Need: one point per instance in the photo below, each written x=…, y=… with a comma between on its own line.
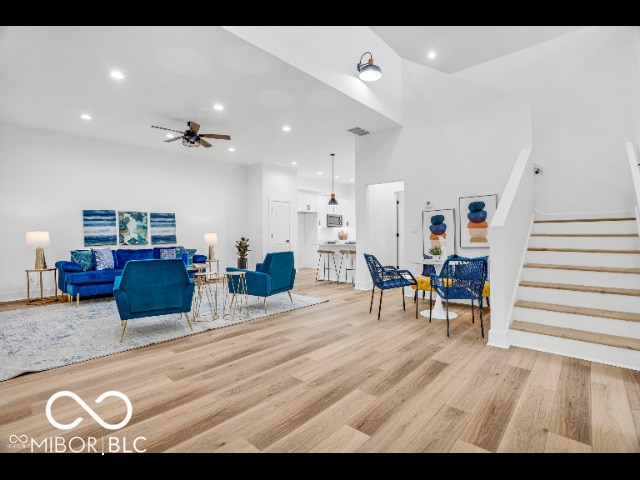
x=54, y=335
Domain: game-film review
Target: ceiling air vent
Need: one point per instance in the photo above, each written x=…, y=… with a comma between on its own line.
x=358, y=131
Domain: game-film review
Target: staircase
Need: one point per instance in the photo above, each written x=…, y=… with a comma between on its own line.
x=579, y=292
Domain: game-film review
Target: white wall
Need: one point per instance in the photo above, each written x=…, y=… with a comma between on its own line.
x=584, y=91
x=48, y=179
x=459, y=139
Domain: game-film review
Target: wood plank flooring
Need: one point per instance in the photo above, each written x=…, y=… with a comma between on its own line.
x=333, y=379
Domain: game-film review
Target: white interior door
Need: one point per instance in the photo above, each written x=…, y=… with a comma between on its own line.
x=279, y=226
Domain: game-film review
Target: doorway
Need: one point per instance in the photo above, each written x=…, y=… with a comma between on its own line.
x=279, y=226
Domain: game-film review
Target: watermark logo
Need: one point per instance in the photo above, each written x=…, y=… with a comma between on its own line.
x=108, y=444
x=89, y=410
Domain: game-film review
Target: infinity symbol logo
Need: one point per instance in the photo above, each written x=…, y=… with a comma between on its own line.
x=18, y=438
x=111, y=393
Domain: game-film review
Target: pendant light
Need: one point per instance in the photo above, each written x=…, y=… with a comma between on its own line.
x=332, y=200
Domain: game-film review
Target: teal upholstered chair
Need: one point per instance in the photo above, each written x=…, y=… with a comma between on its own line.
x=148, y=288
x=275, y=274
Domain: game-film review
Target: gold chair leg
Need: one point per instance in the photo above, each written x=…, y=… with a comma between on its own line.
x=188, y=320
x=124, y=325
x=289, y=292
x=265, y=304
x=78, y=299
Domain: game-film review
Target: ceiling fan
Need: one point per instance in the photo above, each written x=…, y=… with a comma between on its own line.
x=191, y=137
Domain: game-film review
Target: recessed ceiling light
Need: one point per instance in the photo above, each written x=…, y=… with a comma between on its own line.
x=319, y=173
x=351, y=179
x=431, y=55
x=286, y=128
x=117, y=75
x=231, y=149
x=294, y=163
x=86, y=116
x=217, y=106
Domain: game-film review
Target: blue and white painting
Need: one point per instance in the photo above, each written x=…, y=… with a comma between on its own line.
x=133, y=228
x=163, y=227
x=99, y=227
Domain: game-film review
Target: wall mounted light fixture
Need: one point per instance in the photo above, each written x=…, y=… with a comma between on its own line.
x=368, y=71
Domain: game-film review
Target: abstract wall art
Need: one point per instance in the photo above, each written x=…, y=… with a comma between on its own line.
x=476, y=213
x=163, y=228
x=133, y=228
x=439, y=230
x=99, y=227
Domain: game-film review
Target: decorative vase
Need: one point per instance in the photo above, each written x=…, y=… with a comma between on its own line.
x=242, y=263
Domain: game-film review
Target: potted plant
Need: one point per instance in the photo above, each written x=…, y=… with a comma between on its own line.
x=242, y=246
x=436, y=252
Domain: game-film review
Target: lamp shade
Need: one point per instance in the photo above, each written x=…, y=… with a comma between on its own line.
x=38, y=239
x=369, y=72
x=211, y=238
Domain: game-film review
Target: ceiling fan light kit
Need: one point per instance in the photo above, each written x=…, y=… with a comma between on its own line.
x=191, y=137
x=369, y=72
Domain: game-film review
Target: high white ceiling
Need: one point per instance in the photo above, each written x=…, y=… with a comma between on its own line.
x=50, y=75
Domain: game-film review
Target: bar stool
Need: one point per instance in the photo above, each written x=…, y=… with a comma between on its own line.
x=349, y=255
x=328, y=255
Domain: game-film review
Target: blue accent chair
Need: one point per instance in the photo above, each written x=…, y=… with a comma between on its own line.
x=276, y=274
x=461, y=278
x=387, y=277
x=153, y=287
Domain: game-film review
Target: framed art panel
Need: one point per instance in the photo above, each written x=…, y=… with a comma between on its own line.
x=476, y=213
x=439, y=230
x=99, y=227
x=163, y=228
x=133, y=228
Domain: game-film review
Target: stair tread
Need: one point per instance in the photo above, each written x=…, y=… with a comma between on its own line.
x=583, y=268
x=583, y=288
x=581, y=250
x=573, y=334
x=569, y=220
x=593, y=312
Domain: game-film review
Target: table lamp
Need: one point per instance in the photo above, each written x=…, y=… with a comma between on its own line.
x=39, y=239
x=211, y=239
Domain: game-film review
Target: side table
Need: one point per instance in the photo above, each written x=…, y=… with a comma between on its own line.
x=236, y=299
x=40, y=271
x=207, y=287
x=217, y=262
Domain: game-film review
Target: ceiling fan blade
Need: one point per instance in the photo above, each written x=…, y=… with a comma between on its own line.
x=170, y=129
x=194, y=127
x=204, y=143
x=173, y=139
x=215, y=135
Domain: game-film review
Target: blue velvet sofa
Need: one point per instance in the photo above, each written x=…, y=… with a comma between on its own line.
x=83, y=276
x=276, y=274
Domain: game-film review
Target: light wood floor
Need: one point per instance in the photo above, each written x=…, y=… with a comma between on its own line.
x=332, y=378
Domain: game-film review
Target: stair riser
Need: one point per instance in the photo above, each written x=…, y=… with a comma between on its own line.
x=622, y=260
x=610, y=243
x=602, y=301
x=618, y=357
x=626, y=226
x=608, y=326
x=580, y=277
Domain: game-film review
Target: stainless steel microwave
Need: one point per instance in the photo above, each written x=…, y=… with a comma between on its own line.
x=334, y=220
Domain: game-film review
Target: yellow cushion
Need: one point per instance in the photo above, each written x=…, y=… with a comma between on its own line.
x=486, y=291
x=424, y=283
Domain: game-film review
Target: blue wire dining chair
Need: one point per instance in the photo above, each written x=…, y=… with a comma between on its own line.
x=461, y=278
x=387, y=277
